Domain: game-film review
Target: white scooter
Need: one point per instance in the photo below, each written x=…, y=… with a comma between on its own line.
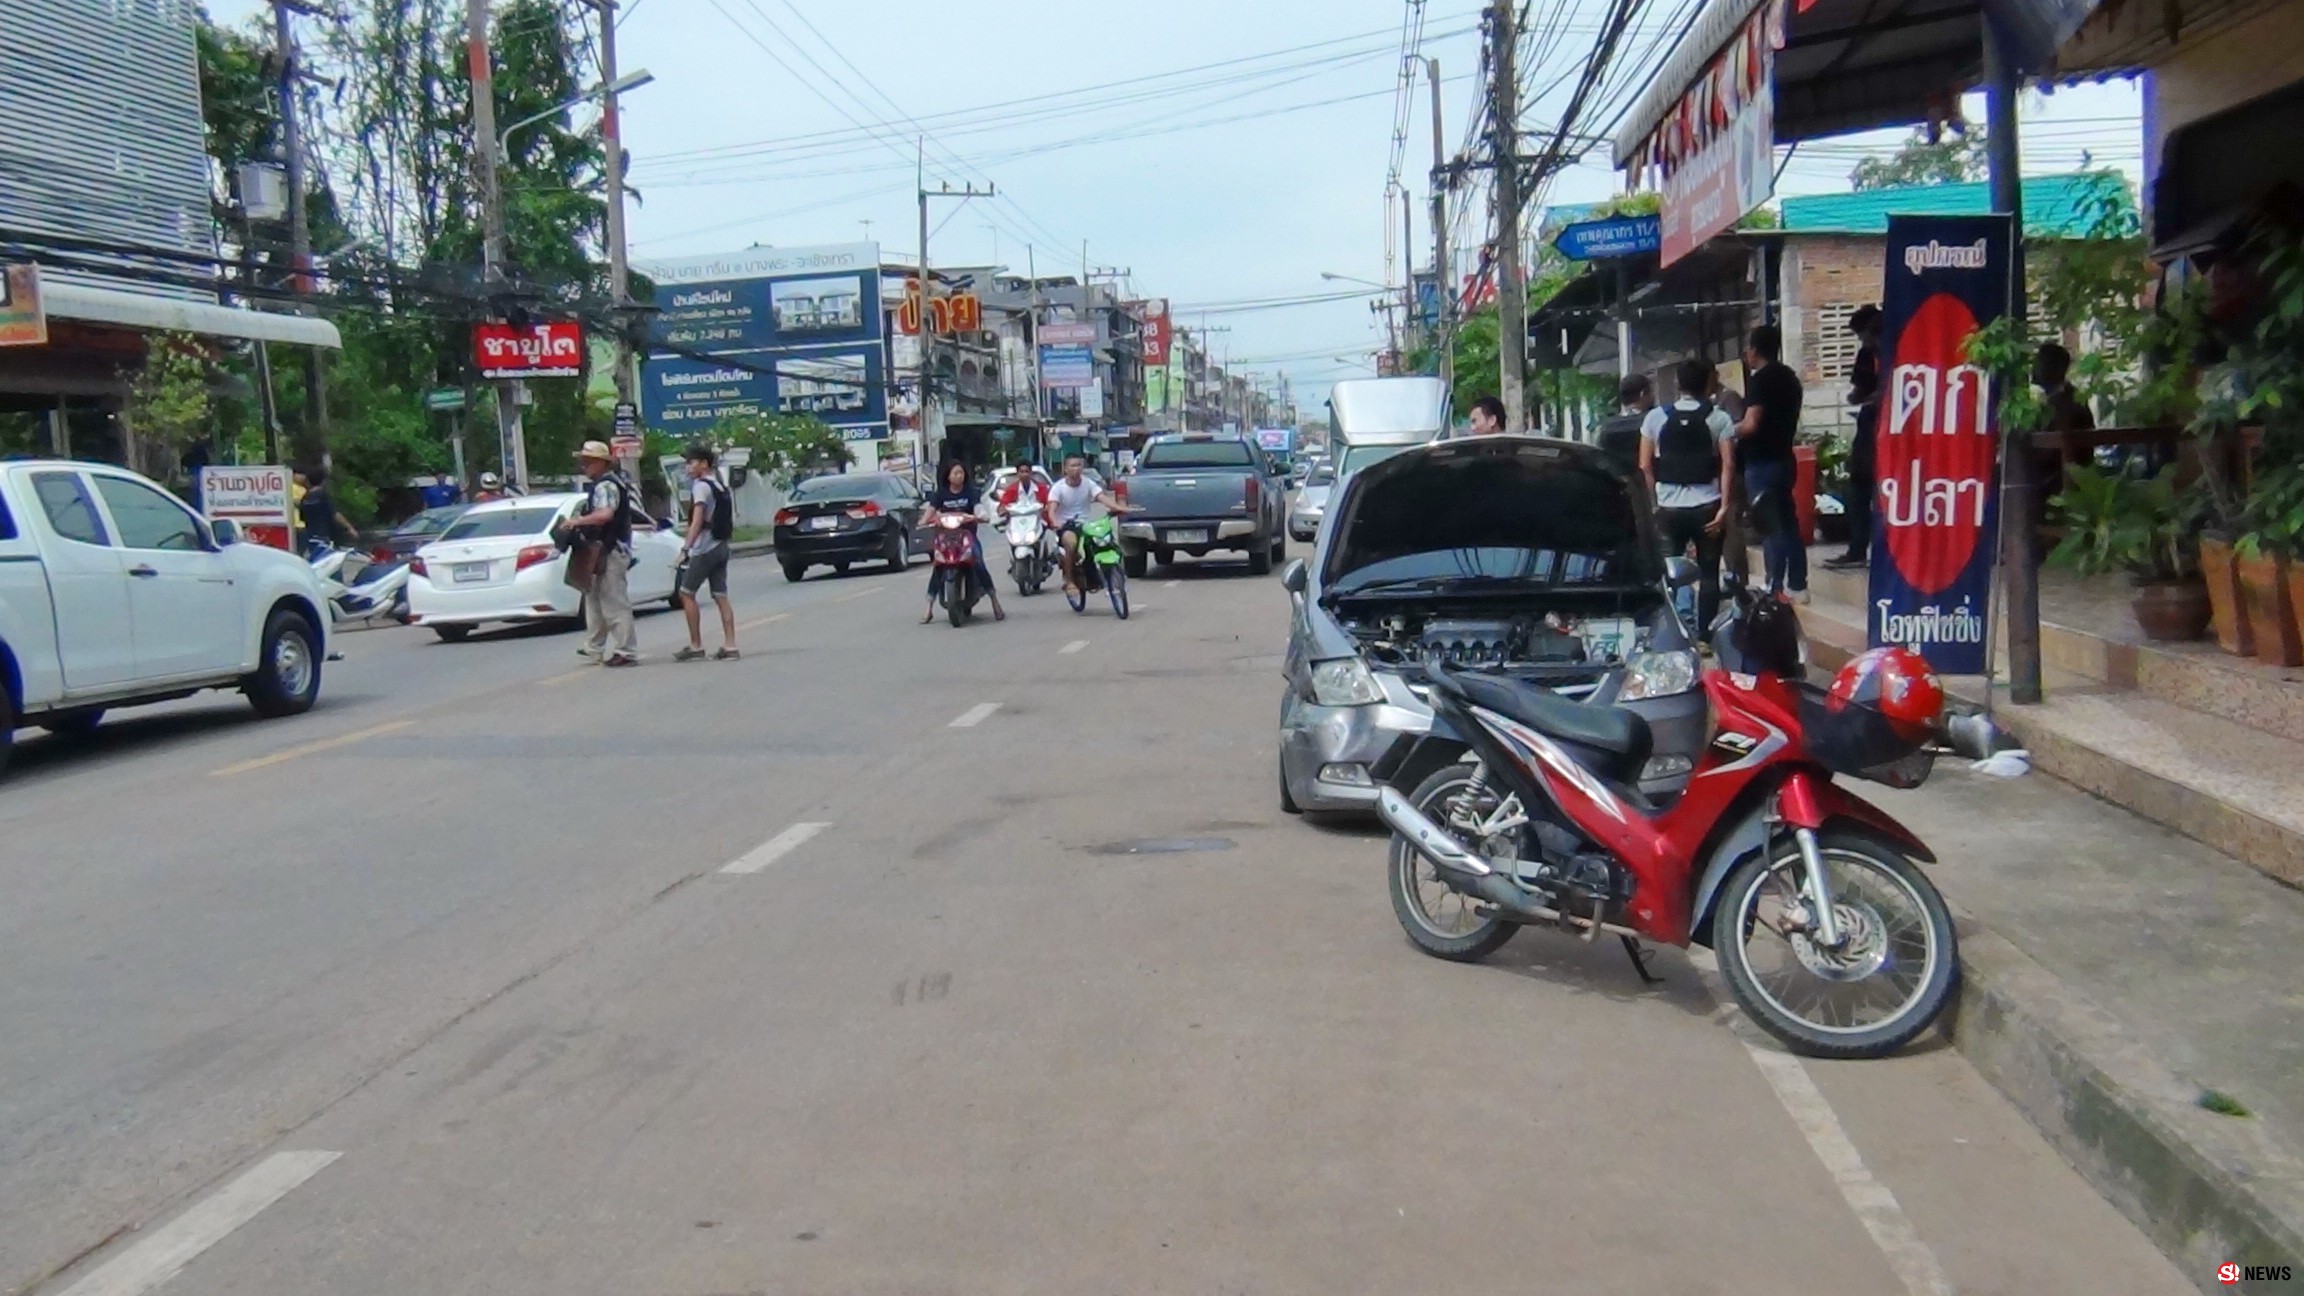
x=375, y=589
x=1032, y=550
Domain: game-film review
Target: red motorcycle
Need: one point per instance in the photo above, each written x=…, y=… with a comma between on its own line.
x=953, y=550
x=1827, y=933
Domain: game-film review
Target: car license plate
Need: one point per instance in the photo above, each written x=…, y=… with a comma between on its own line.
x=825, y=523
x=1187, y=537
x=471, y=573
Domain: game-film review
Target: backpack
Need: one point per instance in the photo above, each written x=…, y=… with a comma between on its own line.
x=1686, y=454
x=723, y=524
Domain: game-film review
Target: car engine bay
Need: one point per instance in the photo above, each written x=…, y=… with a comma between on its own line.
x=1478, y=638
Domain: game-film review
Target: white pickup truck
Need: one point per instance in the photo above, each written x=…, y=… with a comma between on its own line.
x=113, y=593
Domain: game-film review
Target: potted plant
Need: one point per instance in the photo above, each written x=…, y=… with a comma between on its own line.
x=2268, y=574
x=2115, y=521
x=2257, y=394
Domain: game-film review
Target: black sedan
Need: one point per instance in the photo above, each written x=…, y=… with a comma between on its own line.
x=415, y=533
x=851, y=517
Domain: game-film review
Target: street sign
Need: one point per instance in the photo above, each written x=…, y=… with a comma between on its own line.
x=1068, y=333
x=1067, y=366
x=1617, y=236
x=22, y=322
x=627, y=419
x=549, y=349
x=626, y=447
x=254, y=498
x=444, y=399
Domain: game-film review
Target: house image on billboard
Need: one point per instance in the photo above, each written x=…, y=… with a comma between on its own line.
x=833, y=385
x=817, y=305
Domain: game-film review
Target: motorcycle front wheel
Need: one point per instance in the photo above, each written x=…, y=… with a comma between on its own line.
x=1439, y=921
x=1897, y=966
x=956, y=599
x=1116, y=586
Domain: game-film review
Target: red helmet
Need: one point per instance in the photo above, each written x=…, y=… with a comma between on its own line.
x=1896, y=683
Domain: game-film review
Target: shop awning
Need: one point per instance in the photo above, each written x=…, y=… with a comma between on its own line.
x=94, y=305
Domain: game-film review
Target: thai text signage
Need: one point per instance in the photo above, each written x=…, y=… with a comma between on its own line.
x=254, y=498
x=1936, y=518
x=547, y=350
x=1718, y=184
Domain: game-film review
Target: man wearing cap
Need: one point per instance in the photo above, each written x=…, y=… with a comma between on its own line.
x=607, y=520
x=1864, y=395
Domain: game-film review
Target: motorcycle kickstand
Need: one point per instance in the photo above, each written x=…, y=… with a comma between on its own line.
x=1639, y=961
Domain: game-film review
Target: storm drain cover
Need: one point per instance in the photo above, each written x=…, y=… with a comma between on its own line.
x=1162, y=846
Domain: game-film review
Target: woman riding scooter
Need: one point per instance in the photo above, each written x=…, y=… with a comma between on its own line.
x=956, y=494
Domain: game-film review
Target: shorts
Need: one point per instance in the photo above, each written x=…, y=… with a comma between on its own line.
x=708, y=566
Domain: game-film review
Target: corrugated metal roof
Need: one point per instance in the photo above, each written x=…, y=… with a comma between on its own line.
x=2055, y=206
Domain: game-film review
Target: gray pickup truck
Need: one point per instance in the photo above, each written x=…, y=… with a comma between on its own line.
x=1197, y=493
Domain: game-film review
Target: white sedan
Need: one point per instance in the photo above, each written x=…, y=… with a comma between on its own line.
x=498, y=563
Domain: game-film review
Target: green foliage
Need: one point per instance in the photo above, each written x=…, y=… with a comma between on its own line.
x=235, y=94
x=168, y=399
x=2260, y=383
x=784, y=446
x=2116, y=521
x=1954, y=157
x=2223, y=1104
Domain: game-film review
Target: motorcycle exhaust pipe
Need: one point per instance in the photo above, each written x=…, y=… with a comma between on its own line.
x=1476, y=876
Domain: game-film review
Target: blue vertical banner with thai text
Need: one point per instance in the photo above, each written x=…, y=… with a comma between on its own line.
x=1936, y=520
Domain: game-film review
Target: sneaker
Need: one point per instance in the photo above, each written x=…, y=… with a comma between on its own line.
x=726, y=654
x=1846, y=561
x=1800, y=596
x=587, y=650
x=621, y=659
x=689, y=654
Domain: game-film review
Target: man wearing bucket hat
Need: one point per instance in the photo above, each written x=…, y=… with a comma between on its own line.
x=605, y=527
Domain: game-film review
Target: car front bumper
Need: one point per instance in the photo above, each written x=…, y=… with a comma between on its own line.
x=1335, y=758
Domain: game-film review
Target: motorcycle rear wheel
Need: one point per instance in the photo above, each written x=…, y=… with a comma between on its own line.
x=1898, y=939
x=1439, y=921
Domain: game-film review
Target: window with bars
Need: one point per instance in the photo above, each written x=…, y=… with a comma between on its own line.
x=1833, y=347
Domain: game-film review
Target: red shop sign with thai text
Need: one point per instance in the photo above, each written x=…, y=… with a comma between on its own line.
x=547, y=350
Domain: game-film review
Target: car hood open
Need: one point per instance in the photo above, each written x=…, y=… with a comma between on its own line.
x=1505, y=507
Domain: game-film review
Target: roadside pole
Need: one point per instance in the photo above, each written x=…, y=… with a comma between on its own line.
x=1511, y=294
x=1442, y=281
x=299, y=221
x=2019, y=564
x=511, y=436
x=927, y=329
x=619, y=268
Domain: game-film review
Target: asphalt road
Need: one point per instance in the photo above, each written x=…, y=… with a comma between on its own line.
x=446, y=987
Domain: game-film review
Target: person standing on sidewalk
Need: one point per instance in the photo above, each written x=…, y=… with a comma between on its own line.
x=1619, y=434
x=1864, y=394
x=1487, y=416
x=605, y=527
x=1771, y=424
x=1736, y=541
x=704, y=558
x=1687, y=452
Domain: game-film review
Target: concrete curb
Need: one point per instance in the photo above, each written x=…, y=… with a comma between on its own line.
x=2206, y=1189
x=750, y=548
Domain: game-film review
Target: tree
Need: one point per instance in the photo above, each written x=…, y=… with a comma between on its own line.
x=784, y=447
x=1954, y=157
x=167, y=409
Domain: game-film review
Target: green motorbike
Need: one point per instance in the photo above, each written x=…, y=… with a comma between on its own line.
x=1100, y=568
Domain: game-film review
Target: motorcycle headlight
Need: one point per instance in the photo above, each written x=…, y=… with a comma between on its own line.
x=1344, y=682
x=1658, y=674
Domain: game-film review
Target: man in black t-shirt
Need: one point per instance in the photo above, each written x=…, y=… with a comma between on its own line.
x=1619, y=433
x=1771, y=423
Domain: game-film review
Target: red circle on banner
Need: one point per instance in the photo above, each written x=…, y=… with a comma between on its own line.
x=1935, y=453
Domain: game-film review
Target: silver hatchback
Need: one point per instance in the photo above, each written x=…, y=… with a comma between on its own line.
x=1522, y=556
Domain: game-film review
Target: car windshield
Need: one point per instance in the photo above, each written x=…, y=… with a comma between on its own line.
x=501, y=522
x=1320, y=476
x=1196, y=454
x=834, y=490
x=1359, y=457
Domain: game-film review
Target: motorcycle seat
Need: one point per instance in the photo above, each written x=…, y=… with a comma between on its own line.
x=1620, y=738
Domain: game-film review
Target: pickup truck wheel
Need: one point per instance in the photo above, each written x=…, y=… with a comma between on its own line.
x=74, y=724
x=1260, y=560
x=287, y=677
x=1139, y=564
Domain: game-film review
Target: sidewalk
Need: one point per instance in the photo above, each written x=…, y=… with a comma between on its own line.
x=2119, y=972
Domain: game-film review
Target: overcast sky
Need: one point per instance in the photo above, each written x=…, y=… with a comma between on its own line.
x=1243, y=180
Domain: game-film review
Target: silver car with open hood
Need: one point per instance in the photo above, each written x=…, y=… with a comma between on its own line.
x=1527, y=557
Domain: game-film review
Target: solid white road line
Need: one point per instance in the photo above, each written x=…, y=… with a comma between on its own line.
x=1073, y=647
x=161, y=1254
x=974, y=715
x=1875, y=1207
x=775, y=848
x=307, y=749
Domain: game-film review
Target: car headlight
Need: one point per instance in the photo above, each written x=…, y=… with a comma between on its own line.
x=1344, y=682
x=1658, y=674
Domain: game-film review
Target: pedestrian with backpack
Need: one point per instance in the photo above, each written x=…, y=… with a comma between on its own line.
x=1687, y=451
x=704, y=558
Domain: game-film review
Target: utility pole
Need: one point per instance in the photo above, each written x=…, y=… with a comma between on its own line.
x=2019, y=563
x=927, y=331
x=299, y=222
x=1442, y=281
x=619, y=269
x=512, y=438
x=1511, y=293
x=1408, y=302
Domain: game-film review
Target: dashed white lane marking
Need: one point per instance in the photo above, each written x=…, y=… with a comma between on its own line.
x=974, y=715
x=307, y=749
x=1172, y=585
x=774, y=849
x=766, y=620
x=1073, y=647
x=862, y=593
x=1875, y=1207
x=162, y=1254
